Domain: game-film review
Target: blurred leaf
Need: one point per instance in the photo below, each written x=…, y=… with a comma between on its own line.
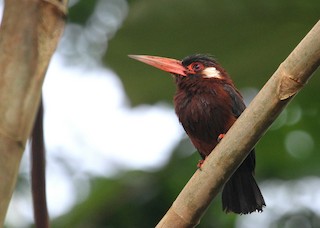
x=81, y=11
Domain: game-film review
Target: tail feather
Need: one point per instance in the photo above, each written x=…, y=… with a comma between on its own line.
x=241, y=194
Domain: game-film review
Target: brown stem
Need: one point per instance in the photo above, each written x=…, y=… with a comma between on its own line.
x=38, y=175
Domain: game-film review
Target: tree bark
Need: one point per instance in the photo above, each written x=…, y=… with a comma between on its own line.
x=29, y=34
x=205, y=184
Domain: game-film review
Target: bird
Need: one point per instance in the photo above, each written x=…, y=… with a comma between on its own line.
x=207, y=104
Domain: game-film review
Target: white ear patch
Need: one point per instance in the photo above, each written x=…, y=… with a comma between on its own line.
x=211, y=72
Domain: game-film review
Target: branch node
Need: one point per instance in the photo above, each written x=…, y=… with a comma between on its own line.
x=4, y=134
x=59, y=5
x=177, y=220
x=288, y=86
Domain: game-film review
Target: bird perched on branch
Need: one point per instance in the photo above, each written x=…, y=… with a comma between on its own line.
x=207, y=104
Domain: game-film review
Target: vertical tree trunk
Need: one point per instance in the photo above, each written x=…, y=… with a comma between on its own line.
x=29, y=34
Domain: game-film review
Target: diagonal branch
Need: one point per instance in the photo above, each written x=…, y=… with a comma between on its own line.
x=290, y=77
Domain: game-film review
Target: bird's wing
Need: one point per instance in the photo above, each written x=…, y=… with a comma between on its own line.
x=238, y=105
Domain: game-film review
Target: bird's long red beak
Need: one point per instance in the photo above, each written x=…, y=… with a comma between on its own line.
x=172, y=66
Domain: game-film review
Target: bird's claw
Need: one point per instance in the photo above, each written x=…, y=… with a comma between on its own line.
x=200, y=163
x=220, y=137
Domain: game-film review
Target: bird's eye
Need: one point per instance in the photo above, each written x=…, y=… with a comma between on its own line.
x=197, y=66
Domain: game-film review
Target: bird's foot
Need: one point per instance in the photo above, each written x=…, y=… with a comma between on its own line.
x=220, y=137
x=200, y=163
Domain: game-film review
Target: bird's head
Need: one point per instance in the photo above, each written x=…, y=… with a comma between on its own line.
x=197, y=67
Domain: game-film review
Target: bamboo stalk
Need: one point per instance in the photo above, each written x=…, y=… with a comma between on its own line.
x=29, y=34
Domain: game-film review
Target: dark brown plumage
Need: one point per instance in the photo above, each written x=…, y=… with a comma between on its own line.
x=207, y=104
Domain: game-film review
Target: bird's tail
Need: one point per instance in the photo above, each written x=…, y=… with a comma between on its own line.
x=241, y=194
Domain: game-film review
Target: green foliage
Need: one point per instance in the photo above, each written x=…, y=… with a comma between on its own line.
x=81, y=11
